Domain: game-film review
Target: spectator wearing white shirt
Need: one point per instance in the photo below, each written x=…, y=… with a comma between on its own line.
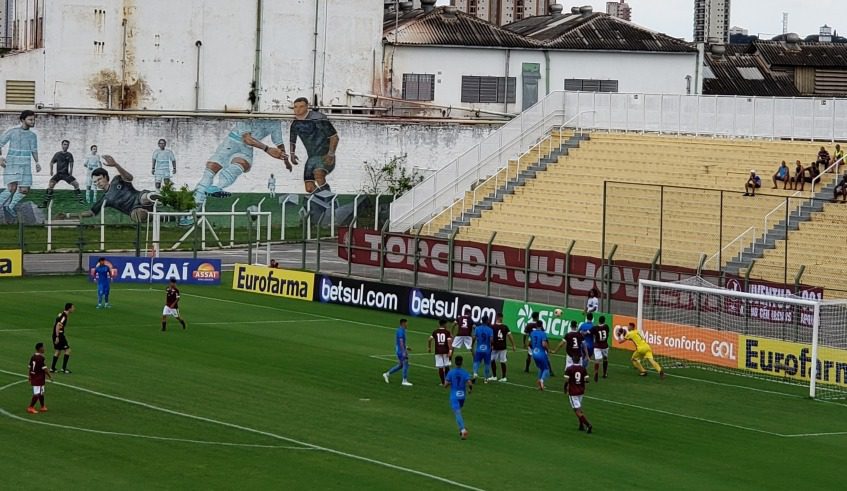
x=593, y=303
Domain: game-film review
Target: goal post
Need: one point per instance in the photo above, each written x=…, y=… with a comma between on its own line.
x=789, y=339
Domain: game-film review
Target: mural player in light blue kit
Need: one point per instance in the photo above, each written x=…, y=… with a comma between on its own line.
x=234, y=156
x=163, y=160
x=17, y=167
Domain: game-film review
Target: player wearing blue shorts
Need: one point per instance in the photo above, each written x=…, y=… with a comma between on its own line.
x=103, y=275
x=234, y=156
x=401, y=349
x=587, y=338
x=17, y=166
x=482, y=337
x=459, y=381
x=538, y=348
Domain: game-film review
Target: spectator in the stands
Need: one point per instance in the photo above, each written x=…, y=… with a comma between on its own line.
x=838, y=157
x=797, y=178
x=782, y=174
x=823, y=159
x=753, y=182
x=841, y=188
x=811, y=173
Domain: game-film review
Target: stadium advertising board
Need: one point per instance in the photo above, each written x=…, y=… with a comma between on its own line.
x=444, y=305
x=273, y=281
x=784, y=359
x=517, y=315
x=359, y=293
x=11, y=263
x=682, y=342
x=160, y=270
x=508, y=264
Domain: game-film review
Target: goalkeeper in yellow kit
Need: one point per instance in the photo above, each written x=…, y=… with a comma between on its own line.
x=642, y=351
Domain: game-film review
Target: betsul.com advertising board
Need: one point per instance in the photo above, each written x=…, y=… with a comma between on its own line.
x=403, y=300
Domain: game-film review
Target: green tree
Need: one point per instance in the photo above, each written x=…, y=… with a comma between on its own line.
x=392, y=177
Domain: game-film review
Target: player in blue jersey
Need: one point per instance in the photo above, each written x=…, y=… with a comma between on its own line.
x=538, y=348
x=482, y=337
x=401, y=349
x=587, y=338
x=17, y=166
x=103, y=274
x=459, y=381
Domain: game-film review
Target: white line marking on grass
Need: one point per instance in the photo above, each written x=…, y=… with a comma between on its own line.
x=12, y=384
x=122, y=326
x=268, y=434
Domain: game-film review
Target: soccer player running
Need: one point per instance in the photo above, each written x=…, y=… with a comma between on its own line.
x=442, y=338
x=401, y=349
x=163, y=161
x=538, y=347
x=600, y=333
x=92, y=163
x=573, y=344
x=17, y=173
x=587, y=338
x=64, y=162
x=60, y=342
x=482, y=336
x=320, y=139
x=642, y=351
x=119, y=194
x=171, y=305
x=501, y=333
x=575, y=379
x=459, y=382
x=38, y=374
x=462, y=330
x=103, y=274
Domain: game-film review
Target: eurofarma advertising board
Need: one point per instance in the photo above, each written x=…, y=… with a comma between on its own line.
x=275, y=282
x=187, y=271
x=11, y=263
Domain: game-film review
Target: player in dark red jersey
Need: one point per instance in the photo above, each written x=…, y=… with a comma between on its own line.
x=575, y=379
x=38, y=373
x=443, y=351
x=60, y=342
x=574, y=347
x=498, y=346
x=463, y=327
x=171, y=305
x=601, y=347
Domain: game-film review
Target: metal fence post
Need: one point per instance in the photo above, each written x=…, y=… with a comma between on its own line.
x=138, y=239
x=249, y=238
x=80, y=245
x=488, y=264
x=318, y=250
x=785, y=263
x=747, y=312
x=193, y=234
x=349, y=242
x=661, y=221
x=382, y=251
x=607, y=278
x=526, y=268
x=720, y=234
x=795, y=319
x=417, y=257
x=450, y=259
x=567, y=272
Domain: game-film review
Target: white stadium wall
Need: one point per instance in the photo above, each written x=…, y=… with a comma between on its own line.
x=132, y=141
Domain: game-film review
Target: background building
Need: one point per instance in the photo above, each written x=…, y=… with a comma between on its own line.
x=619, y=9
x=711, y=20
x=502, y=12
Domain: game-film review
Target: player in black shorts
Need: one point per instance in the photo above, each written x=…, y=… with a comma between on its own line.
x=119, y=194
x=60, y=342
x=64, y=162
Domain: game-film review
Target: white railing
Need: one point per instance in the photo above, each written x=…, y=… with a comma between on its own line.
x=717, y=116
x=741, y=244
x=815, y=181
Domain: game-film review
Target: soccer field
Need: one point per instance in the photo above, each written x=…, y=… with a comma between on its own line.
x=261, y=391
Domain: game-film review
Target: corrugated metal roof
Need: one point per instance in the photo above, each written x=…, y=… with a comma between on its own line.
x=777, y=53
x=729, y=69
x=596, y=31
x=441, y=28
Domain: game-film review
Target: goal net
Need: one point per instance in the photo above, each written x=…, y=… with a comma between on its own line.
x=777, y=338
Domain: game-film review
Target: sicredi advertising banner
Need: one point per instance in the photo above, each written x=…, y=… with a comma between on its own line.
x=682, y=342
x=11, y=263
x=160, y=270
x=276, y=282
x=518, y=314
x=794, y=360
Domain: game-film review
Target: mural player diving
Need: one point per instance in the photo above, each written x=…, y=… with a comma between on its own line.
x=119, y=194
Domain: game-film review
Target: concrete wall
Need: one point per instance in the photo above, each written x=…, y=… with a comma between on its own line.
x=132, y=141
x=89, y=51
x=650, y=73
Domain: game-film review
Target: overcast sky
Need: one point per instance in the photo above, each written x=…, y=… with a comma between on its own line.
x=676, y=17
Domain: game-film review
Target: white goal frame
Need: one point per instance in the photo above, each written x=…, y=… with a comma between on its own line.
x=815, y=305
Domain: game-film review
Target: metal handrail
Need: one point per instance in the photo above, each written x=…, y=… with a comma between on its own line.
x=496, y=174
x=740, y=250
x=796, y=193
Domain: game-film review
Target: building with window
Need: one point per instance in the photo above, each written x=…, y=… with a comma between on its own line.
x=501, y=12
x=711, y=20
x=619, y=9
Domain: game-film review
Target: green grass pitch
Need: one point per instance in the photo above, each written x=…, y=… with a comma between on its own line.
x=265, y=392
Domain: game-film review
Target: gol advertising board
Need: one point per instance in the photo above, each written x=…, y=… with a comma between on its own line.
x=784, y=359
x=517, y=314
x=682, y=342
x=11, y=263
x=276, y=282
x=160, y=270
